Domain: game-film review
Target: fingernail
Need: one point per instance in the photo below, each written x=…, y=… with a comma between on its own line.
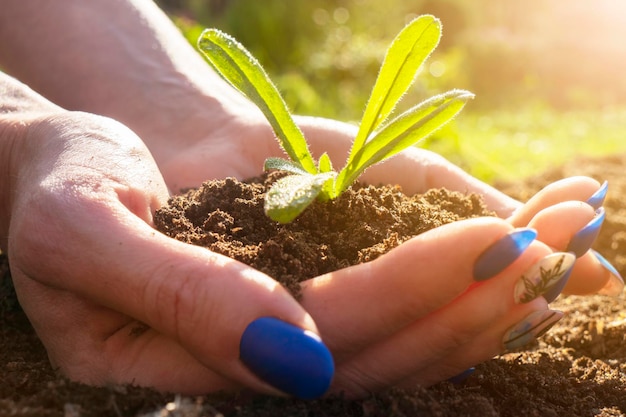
x=291, y=359
x=533, y=326
x=615, y=284
x=543, y=276
x=460, y=378
x=582, y=241
x=597, y=199
x=502, y=253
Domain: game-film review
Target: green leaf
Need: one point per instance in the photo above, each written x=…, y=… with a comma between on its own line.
x=238, y=67
x=324, y=164
x=282, y=164
x=405, y=130
x=408, y=51
x=290, y=195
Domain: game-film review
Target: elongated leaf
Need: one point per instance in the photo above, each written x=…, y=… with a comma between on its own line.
x=324, y=164
x=290, y=195
x=408, y=51
x=405, y=130
x=282, y=164
x=237, y=66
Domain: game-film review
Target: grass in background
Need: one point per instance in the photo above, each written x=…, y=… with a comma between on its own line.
x=508, y=145
x=323, y=56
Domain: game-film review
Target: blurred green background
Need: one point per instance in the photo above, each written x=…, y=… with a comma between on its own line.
x=548, y=74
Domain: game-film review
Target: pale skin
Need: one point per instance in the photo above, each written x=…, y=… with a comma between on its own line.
x=79, y=187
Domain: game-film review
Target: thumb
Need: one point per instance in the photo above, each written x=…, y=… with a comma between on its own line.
x=233, y=319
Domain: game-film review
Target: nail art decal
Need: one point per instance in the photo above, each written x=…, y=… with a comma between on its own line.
x=503, y=253
x=542, y=276
x=556, y=290
x=582, y=241
x=533, y=326
x=597, y=199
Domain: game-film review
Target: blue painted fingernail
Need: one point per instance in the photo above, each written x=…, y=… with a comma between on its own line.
x=597, y=199
x=460, y=378
x=502, y=253
x=294, y=360
x=615, y=284
x=582, y=241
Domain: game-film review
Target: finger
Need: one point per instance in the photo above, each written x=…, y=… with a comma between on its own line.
x=593, y=274
x=491, y=342
x=367, y=302
x=573, y=226
x=570, y=189
x=568, y=226
x=615, y=283
x=491, y=307
x=430, y=170
x=80, y=342
x=199, y=299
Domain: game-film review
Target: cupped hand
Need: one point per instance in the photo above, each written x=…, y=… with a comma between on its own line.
x=113, y=300
x=455, y=296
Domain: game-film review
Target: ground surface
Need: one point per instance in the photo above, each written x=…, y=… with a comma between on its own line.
x=577, y=369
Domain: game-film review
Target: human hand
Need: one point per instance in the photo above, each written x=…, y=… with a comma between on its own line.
x=592, y=273
x=116, y=302
x=422, y=313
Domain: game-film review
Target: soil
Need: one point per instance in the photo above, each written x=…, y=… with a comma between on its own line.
x=577, y=369
x=365, y=222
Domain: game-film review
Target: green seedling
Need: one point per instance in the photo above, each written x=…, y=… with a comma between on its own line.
x=377, y=139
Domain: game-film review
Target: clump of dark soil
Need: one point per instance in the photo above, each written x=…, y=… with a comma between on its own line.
x=577, y=369
x=365, y=222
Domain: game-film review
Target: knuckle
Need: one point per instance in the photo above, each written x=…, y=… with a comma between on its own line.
x=354, y=382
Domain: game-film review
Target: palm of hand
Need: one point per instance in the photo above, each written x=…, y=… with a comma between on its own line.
x=226, y=152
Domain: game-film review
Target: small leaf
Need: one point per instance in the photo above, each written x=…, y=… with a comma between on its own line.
x=324, y=164
x=282, y=164
x=239, y=68
x=415, y=124
x=405, y=56
x=405, y=130
x=290, y=195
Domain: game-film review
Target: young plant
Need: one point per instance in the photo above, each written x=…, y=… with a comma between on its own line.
x=377, y=138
